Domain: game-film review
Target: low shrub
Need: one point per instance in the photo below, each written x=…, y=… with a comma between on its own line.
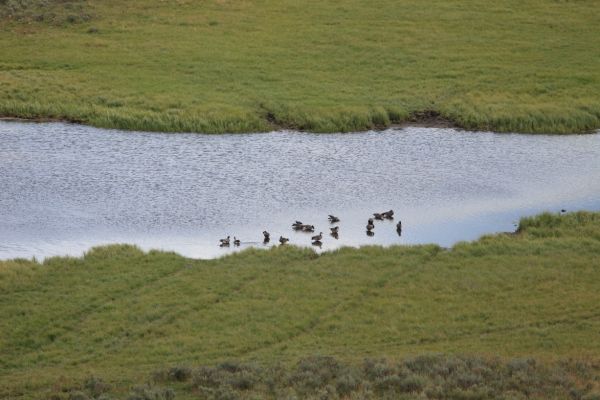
x=180, y=374
x=96, y=386
x=78, y=396
x=48, y=11
x=146, y=392
x=346, y=384
x=424, y=377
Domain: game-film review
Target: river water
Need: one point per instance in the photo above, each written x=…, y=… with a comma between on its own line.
x=65, y=188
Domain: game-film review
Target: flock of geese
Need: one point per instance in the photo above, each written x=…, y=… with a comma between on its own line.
x=317, y=239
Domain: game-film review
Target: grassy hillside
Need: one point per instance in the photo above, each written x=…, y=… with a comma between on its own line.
x=122, y=314
x=223, y=65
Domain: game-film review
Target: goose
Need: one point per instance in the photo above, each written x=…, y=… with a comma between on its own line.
x=335, y=229
x=318, y=237
x=267, y=236
x=370, y=221
x=399, y=226
x=224, y=241
x=370, y=227
x=283, y=240
x=388, y=214
x=378, y=216
x=333, y=219
x=297, y=225
x=308, y=228
x=236, y=241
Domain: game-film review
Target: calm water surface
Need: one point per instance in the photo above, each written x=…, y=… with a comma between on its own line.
x=65, y=188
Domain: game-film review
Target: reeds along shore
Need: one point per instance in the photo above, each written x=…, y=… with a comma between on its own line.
x=319, y=121
x=317, y=66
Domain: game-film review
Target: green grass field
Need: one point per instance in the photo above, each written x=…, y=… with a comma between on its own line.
x=238, y=66
x=121, y=314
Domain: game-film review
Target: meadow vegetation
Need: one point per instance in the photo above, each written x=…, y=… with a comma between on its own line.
x=238, y=66
x=49, y=11
x=323, y=377
x=509, y=316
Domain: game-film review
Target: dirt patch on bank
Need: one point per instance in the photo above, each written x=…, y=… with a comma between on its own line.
x=40, y=120
x=428, y=119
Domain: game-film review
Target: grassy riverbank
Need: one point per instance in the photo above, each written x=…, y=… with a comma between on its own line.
x=122, y=314
x=238, y=66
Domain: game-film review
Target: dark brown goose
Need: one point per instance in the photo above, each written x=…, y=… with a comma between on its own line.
x=308, y=228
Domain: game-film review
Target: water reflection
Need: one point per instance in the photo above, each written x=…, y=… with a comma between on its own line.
x=64, y=188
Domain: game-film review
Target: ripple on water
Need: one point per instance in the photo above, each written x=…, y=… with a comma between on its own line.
x=67, y=187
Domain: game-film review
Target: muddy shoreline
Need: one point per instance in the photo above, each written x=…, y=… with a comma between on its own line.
x=425, y=119
x=421, y=119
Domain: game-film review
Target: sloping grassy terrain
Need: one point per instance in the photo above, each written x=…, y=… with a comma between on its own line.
x=121, y=314
x=236, y=66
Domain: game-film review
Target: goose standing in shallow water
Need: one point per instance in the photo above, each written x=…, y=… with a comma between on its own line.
x=236, y=241
x=388, y=214
x=267, y=236
x=224, y=242
x=399, y=228
x=333, y=219
x=317, y=237
x=283, y=240
x=370, y=225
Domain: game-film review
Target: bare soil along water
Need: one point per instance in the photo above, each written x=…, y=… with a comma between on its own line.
x=67, y=187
